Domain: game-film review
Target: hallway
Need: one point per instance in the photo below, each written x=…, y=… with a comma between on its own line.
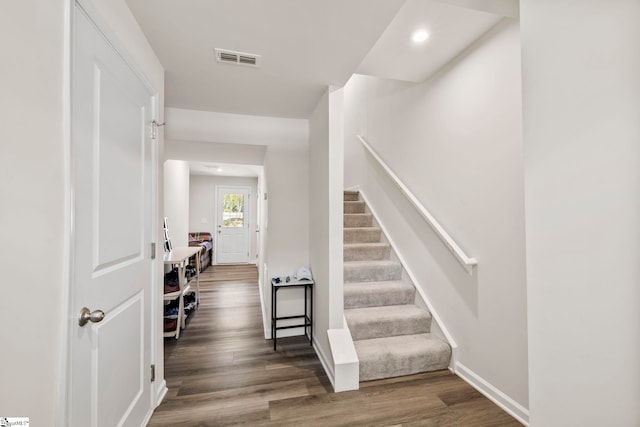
x=223, y=372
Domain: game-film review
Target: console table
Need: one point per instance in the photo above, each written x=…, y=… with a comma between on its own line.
x=306, y=318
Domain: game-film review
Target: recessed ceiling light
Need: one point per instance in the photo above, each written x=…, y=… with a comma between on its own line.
x=419, y=36
x=218, y=169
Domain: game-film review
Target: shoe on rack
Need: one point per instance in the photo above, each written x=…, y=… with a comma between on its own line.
x=170, y=287
x=170, y=325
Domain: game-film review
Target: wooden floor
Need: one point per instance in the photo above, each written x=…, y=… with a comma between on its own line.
x=222, y=372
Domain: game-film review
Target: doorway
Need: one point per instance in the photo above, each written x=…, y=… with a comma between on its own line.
x=233, y=224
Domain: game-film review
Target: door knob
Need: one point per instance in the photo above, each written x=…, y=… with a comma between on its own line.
x=87, y=316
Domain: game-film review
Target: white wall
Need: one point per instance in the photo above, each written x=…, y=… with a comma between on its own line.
x=319, y=217
x=176, y=201
x=203, y=208
x=456, y=142
x=326, y=135
x=582, y=172
x=287, y=248
x=244, y=154
x=34, y=171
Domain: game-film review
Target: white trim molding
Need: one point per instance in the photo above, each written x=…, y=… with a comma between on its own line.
x=325, y=362
x=509, y=405
x=345, y=360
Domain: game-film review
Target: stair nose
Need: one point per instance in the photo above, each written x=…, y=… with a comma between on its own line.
x=401, y=355
x=376, y=294
x=371, y=271
x=366, y=251
x=387, y=321
x=362, y=235
x=353, y=207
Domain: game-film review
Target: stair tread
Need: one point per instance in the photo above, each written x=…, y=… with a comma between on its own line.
x=401, y=355
x=386, y=312
x=387, y=321
x=366, y=244
x=399, y=344
x=371, y=271
x=378, y=285
x=375, y=294
x=362, y=228
x=353, y=206
x=371, y=263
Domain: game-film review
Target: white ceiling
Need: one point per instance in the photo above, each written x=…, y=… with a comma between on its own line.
x=451, y=29
x=306, y=45
x=224, y=169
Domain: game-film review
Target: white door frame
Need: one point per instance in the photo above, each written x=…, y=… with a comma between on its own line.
x=247, y=216
x=69, y=320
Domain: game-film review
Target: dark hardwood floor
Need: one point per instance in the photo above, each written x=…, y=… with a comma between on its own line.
x=222, y=372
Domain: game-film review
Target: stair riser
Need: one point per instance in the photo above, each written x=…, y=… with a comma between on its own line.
x=358, y=220
x=362, y=235
x=375, y=273
x=380, y=328
x=364, y=253
x=354, y=299
x=390, y=366
x=353, y=207
x=351, y=197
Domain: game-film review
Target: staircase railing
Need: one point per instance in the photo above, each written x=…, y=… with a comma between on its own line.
x=467, y=262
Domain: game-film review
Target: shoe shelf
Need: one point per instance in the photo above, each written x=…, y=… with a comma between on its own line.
x=181, y=288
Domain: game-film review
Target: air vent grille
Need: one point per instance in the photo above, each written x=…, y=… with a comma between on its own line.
x=249, y=60
x=238, y=58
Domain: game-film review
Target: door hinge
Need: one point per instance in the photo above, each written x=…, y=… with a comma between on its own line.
x=153, y=250
x=153, y=373
x=154, y=129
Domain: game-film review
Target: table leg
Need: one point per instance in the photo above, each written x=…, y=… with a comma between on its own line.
x=305, y=311
x=274, y=315
x=311, y=317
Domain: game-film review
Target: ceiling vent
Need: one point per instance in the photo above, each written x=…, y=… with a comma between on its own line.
x=238, y=58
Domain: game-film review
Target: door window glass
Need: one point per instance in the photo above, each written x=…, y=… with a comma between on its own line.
x=233, y=211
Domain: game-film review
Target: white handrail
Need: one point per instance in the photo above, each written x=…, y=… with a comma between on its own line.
x=467, y=263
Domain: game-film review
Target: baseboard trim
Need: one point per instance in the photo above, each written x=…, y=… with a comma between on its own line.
x=326, y=365
x=162, y=392
x=160, y=395
x=513, y=408
x=265, y=321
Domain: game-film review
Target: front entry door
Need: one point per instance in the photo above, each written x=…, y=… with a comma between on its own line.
x=111, y=158
x=232, y=244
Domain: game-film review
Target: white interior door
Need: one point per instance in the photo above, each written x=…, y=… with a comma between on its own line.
x=109, y=375
x=232, y=244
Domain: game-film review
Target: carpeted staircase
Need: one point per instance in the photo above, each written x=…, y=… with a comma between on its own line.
x=391, y=334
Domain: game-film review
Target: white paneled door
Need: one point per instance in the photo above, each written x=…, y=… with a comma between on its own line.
x=232, y=243
x=111, y=160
